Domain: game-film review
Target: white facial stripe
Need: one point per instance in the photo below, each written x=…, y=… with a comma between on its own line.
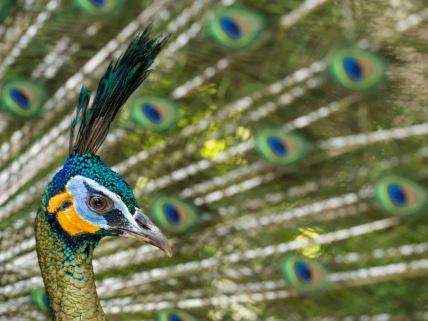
x=76, y=186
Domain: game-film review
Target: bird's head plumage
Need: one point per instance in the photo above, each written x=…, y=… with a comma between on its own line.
x=86, y=198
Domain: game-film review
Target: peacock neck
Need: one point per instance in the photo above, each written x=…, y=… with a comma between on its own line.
x=66, y=267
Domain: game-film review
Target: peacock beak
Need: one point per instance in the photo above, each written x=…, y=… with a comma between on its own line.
x=142, y=228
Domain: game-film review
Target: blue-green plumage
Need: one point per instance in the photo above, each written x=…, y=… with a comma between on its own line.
x=90, y=166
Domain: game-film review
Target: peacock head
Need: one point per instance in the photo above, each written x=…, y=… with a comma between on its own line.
x=87, y=198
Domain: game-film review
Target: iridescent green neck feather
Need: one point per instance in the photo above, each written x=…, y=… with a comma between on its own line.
x=67, y=272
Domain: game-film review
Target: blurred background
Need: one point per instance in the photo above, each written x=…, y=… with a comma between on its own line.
x=281, y=146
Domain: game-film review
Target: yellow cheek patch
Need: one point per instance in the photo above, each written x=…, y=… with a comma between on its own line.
x=69, y=220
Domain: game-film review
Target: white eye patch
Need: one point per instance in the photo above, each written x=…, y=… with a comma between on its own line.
x=78, y=187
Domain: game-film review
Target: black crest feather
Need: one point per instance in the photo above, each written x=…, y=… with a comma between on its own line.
x=121, y=79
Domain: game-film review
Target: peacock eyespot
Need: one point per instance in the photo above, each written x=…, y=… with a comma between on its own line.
x=154, y=113
x=281, y=147
x=236, y=26
x=401, y=195
x=357, y=69
x=23, y=97
x=303, y=274
x=175, y=215
x=100, y=203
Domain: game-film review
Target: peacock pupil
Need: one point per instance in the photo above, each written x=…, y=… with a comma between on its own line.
x=174, y=317
x=353, y=68
x=397, y=195
x=230, y=27
x=152, y=113
x=171, y=213
x=20, y=98
x=97, y=202
x=277, y=146
x=100, y=203
x=303, y=272
x=98, y=3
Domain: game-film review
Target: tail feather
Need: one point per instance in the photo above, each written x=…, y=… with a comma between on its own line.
x=121, y=79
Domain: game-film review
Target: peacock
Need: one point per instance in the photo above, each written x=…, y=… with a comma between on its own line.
x=278, y=145
x=86, y=200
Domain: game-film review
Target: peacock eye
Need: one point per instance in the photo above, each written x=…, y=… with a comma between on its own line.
x=100, y=203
